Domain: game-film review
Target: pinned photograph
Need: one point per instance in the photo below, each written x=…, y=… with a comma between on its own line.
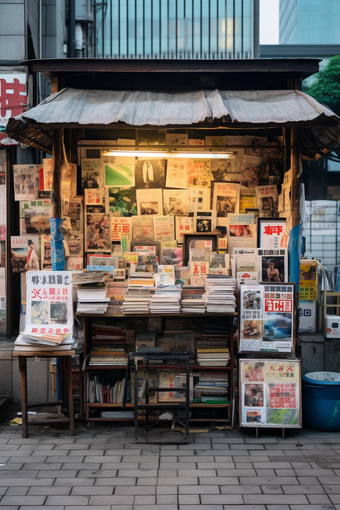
x=253, y=395
x=150, y=173
x=121, y=201
x=251, y=329
x=221, y=168
x=98, y=232
x=91, y=173
x=73, y=244
x=273, y=269
x=58, y=313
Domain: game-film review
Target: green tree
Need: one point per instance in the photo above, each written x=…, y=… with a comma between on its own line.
x=326, y=89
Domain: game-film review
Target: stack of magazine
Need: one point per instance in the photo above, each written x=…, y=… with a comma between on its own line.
x=139, y=294
x=220, y=293
x=166, y=300
x=49, y=312
x=193, y=299
x=91, y=291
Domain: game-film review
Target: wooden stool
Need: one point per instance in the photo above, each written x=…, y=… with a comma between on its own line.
x=66, y=377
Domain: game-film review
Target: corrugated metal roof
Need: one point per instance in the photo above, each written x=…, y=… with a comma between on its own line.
x=91, y=108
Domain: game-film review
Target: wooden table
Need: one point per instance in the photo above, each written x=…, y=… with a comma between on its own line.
x=66, y=381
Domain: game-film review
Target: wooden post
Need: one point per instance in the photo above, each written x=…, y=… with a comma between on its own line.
x=56, y=164
x=54, y=84
x=295, y=166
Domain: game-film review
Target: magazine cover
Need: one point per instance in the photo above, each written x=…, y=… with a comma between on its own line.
x=149, y=202
x=267, y=200
x=176, y=139
x=46, y=255
x=175, y=202
x=37, y=220
x=150, y=173
x=199, y=199
x=184, y=225
x=273, y=265
x=75, y=210
x=142, y=228
x=47, y=174
x=49, y=302
x=24, y=182
x=176, y=173
x=118, y=174
x=74, y=244
x=241, y=231
x=121, y=201
x=97, y=232
x=205, y=221
x=222, y=168
x=121, y=227
x=199, y=173
x=244, y=264
x=25, y=253
x=91, y=173
x=163, y=228
x=226, y=196
x=93, y=196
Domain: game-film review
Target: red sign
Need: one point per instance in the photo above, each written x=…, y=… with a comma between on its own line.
x=277, y=305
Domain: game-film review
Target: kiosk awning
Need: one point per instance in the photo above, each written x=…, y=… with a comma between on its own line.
x=72, y=108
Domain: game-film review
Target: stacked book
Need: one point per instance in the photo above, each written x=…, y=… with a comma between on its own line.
x=103, y=391
x=91, y=291
x=220, y=293
x=212, y=387
x=139, y=293
x=108, y=345
x=166, y=300
x=193, y=299
x=213, y=357
x=116, y=291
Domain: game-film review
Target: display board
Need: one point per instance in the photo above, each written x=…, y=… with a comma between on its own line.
x=267, y=315
x=270, y=393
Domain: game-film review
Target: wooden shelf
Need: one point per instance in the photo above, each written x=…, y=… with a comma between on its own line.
x=135, y=316
x=159, y=367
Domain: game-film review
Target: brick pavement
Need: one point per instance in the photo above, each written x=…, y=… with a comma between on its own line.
x=102, y=468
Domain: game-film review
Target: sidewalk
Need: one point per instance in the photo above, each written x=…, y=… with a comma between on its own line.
x=102, y=468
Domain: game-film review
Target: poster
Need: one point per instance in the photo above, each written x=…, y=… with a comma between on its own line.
x=176, y=173
x=75, y=211
x=270, y=393
x=74, y=244
x=175, y=202
x=49, y=306
x=97, y=232
x=24, y=182
x=273, y=265
x=25, y=253
x=176, y=139
x=222, y=168
x=199, y=172
x=48, y=174
x=247, y=200
x=91, y=173
x=121, y=201
x=222, y=229
x=184, y=225
x=205, y=221
x=308, y=289
x=149, y=202
x=199, y=199
x=163, y=228
x=121, y=227
x=150, y=173
x=245, y=268
x=142, y=228
x=267, y=200
x=267, y=318
x=241, y=231
x=46, y=254
x=272, y=233
x=93, y=196
x=226, y=198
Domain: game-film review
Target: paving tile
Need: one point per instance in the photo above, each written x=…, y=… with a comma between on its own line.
x=223, y=499
x=135, y=490
x=236, y=472
x=93, y=490
x=67, y=500
x=49, y=491
x=113, y=481
x=111, y=500
x=269, y=499
x=70, y=482
x=18, y=491
x=189, y=499
x=319, y=499
x=145, y=500
x=263, y=480
x=267, y=472
x=240, y=489
x=180, y=480
x=272, y=489
x=199, y=489
x=303, y=489
x=149, y=473
x=196, y=472
x=332, y=489
x=245, y=507
x=23, y=500
x=221, y=480
x=201, y=507
x=154, y=507
x=102, y=473
x=311, y=507
x=335, y=498
x=166, y=499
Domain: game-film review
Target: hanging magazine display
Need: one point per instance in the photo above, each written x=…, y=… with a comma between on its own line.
x=267, y=318
x=273, y=265
x=270, y=393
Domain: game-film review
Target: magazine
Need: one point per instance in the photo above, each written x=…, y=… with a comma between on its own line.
x=150, y=173
x=175, y=202
x=163, y=228
x=121, y=201
x=142, y=228
x=74, y=244
x=149, y=201
x=199, y=172
x=176, y=173
x=25, y=253
x=121, y=227
x=98, y=232
x=184, y=225
x=267, y=200
x=226, y=197
x=91, y=173
x=24, y=182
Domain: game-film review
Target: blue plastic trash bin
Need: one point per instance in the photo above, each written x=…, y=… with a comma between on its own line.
x=321, y=401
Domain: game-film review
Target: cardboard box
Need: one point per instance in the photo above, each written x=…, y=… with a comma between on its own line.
x=332, y=326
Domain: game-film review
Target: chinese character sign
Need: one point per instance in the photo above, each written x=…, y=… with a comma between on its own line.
x=272, y=234
x=13, y=99
x=267, y=318
x=49, y=307
x=270, y=393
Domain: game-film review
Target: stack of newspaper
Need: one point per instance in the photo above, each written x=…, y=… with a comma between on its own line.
x=166, y=299
x=220, y=293
x=91, y=291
